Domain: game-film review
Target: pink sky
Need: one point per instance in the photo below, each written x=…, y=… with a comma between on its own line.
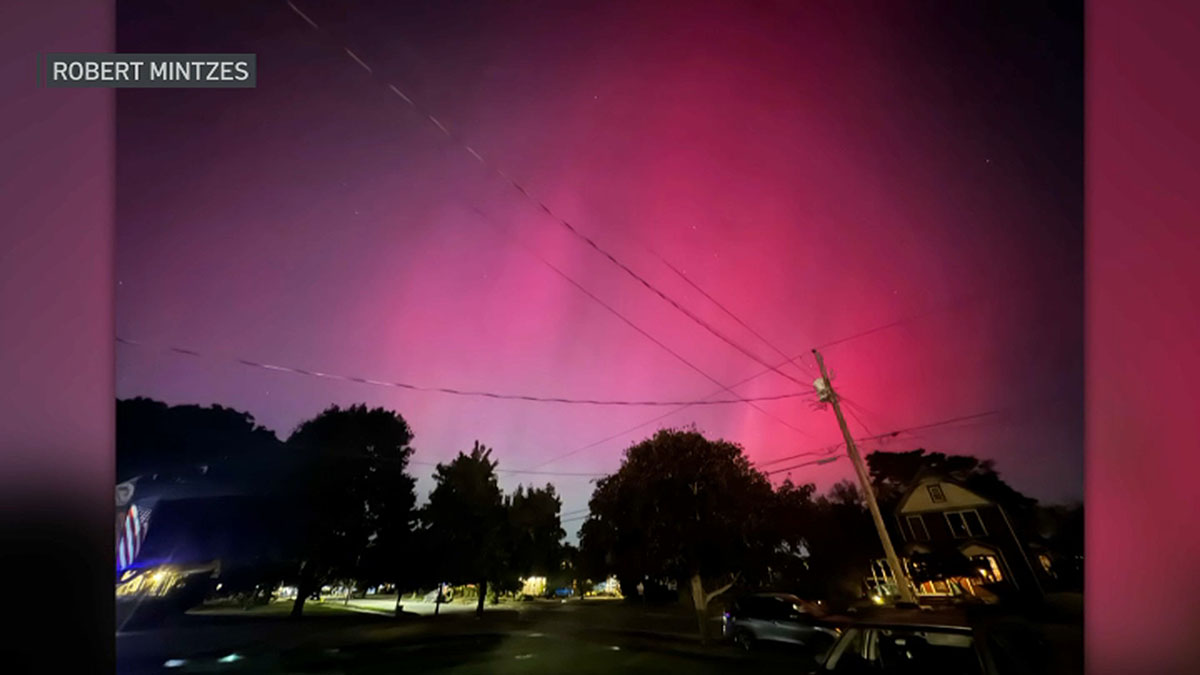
x=819, y=174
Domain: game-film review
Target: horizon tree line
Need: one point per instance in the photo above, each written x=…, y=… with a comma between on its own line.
x=681, y=509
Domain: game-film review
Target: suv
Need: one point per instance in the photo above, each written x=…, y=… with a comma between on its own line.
x=779, y=618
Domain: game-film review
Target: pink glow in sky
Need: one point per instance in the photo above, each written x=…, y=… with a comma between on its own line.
x=818, y=172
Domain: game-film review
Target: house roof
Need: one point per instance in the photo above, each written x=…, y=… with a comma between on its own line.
x=920, y=499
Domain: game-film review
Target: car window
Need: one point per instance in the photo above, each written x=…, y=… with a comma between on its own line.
x=777, y=609
x=768, y=609
x=926, y=652
x=849, y=655
x=784, y=609
x=749, y=608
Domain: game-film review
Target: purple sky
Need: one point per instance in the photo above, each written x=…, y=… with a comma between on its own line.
x=818, y=172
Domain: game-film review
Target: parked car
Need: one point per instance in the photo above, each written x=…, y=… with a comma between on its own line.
x=930, y=643
x=778, y=618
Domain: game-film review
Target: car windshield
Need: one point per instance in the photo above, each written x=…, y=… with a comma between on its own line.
x=927, y=652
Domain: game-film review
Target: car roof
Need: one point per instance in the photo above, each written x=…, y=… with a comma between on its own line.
x=945, y=620
x=927, y=622
x=930, y=626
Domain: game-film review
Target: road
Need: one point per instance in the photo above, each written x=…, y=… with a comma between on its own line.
x=385, y=604
x=535, y=637
x=605, y=614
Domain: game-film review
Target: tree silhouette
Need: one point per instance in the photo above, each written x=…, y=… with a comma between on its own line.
x=464, y=520
x=534, y=532
x=686, y=507
x=352, y=494
x=1061, y=528
x=793, y=515
x=842, y=543
x=167, y=443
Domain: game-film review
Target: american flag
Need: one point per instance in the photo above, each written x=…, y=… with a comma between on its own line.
x=133, y=533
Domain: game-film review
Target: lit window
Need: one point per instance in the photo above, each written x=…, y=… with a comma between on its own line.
x=989, y=568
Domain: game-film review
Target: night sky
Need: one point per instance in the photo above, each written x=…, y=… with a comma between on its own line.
x=819, y=168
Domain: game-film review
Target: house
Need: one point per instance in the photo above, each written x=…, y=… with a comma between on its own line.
x=938, y=515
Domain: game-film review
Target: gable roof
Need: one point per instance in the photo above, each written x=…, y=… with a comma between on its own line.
x=919, y=498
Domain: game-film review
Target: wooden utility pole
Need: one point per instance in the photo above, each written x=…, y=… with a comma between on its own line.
x=898, y=573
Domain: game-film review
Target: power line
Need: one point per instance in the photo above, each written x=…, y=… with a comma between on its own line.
x=474, y=153
x=629, y=322
x=850, y=406
x=546, y=209
x=957, y=302
x=590, y=242
x=463, y=392
x=552, y=473
x=682, y=275
x=952, y=420
x=827, y=460
x=648, y=422
x=520, y=471
x=825, y=451
x=608, y=438
x=892, y=434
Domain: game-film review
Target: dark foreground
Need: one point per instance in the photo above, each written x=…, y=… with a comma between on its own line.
x=543, y=638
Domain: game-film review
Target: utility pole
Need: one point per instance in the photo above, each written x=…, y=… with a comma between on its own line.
x=825, y=389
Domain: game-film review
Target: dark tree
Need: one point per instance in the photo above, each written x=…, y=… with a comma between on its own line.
x=1061, y=529
x=353, y=496
x=464, y=520
x=892, y=473
x=567, y=574
x=845, y=493
x=685, y=507
x=794, y=515
x=842, y=543
x=535, y=532
x=154, y=440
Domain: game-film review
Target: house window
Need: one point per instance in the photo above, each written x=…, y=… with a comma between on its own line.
x=916, y=525
x=989, y=568
x=965, y=524
x=935, y=493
